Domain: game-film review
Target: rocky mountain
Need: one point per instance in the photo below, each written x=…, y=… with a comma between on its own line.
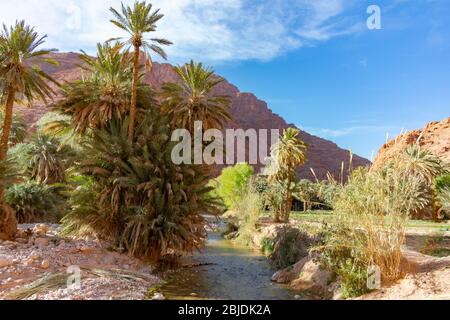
x=247, y=110
x=434, y=137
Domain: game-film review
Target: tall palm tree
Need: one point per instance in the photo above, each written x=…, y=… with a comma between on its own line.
x=19, y=56
x=193, y=98
x=138, y=21
x=22, y=78
x=105, y=93
x=288, y=153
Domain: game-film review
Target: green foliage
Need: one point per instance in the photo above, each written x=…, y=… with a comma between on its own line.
x=137, y=20
x=18, y=128
x=105, y=93
x=442, y=182
x=442, y=185
x=193, y=99
x=18, y=45
x=232, y=184
x=267, y=245
x=144, y=203
x=35, y=202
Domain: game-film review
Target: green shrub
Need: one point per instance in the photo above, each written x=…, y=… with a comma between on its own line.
x=232, y=183
x=34, y=202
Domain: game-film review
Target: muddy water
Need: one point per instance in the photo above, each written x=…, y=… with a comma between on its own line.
x=232, y=272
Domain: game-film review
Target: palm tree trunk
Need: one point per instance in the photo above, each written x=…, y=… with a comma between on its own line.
x=134, y=93
x=277, y=217
x=4, y=142
x=288, y=203
x=8, y=222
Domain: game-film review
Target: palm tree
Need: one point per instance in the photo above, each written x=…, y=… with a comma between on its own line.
x=19, y=56
x=193, y=99
x=423, y=164
x=105, y=93
x=18, y=131
x=138, y=21
x=288, y=153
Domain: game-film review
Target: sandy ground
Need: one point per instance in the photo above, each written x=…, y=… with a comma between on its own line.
x=42, y=265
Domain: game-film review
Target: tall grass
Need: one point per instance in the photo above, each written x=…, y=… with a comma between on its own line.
x=372, y=212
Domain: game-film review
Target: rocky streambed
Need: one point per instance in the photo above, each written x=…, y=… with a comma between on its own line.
x=40, y=264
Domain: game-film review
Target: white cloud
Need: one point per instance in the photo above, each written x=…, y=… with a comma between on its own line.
x=353, y=130
x=212, y=30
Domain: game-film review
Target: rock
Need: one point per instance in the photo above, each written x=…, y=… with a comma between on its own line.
x=288, y=275
x=45, y=264
x=158, y=296
x=313, y=280
x=28, y=262
x=5, y=262
x=34, y=256
x=40, y=229
x=434, y=137
x=41, y=242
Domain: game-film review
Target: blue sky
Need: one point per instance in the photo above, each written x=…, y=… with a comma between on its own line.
x=314, y=61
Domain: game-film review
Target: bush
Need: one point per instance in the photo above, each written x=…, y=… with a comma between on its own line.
x=248, y=211
x=289, y=247
x=232, y=184
x=34, y=202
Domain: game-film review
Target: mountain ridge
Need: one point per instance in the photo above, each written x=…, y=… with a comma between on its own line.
x=247, y=110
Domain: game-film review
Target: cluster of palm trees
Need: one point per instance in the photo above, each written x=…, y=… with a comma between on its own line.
x=146, y=204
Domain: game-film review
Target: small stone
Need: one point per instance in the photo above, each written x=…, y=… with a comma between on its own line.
x=40, y=229
x=41, y=242
x=5, y=262
x=158, y=296
x=45, y=264
x=28, y=262
x=193, y=294
x=297, y=297
x=34, y=256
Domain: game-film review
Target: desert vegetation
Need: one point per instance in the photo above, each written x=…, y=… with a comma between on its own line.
x=100, y=162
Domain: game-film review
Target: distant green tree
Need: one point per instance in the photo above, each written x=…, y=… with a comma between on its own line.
x=233, y=182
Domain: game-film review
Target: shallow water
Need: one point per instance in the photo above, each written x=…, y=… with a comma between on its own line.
x=234, y=272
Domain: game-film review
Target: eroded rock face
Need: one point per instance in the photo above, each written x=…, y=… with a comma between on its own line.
x=434, y=137
x=247, y=110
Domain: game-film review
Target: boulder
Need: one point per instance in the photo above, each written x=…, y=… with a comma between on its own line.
x=40, y=229
x=158, y=296
x=314, y=280
x=289, y=274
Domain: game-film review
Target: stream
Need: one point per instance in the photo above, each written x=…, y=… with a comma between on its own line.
x=227, y=271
